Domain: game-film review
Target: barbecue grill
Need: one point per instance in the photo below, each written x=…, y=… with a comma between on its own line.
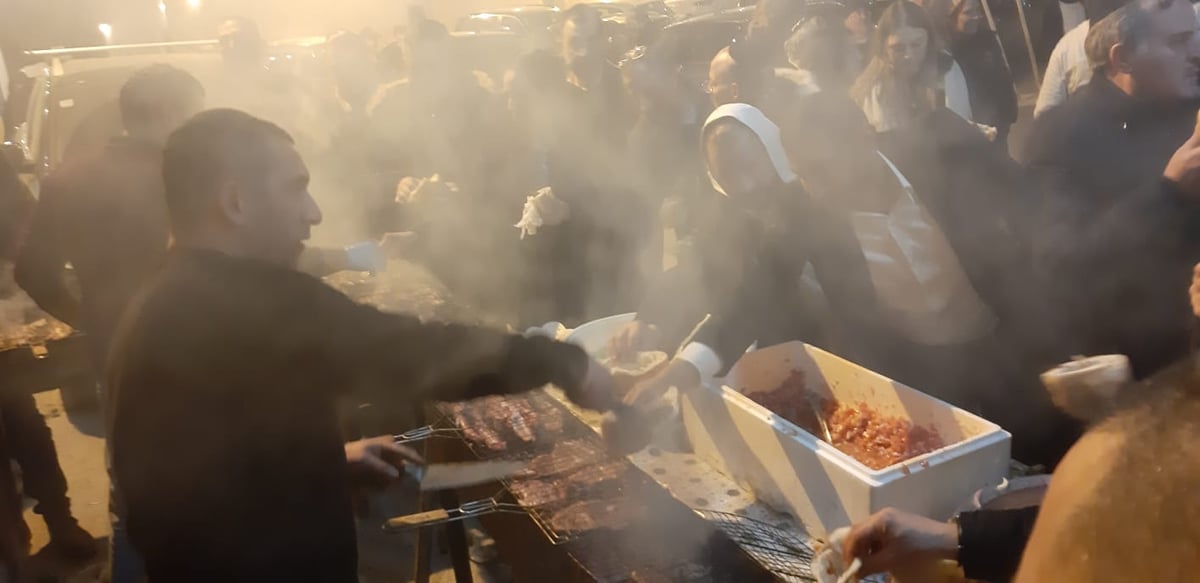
x=611, y=520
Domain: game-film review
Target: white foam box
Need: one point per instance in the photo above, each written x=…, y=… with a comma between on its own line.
x=794, y=472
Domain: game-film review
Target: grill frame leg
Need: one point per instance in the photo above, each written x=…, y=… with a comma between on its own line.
x=456, y=540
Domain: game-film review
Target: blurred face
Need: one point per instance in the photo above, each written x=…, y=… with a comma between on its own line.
x=274, y=213
x=721, y=86
x=907, y=48
x=582, y=42
x=858, y=26
x=738, y=161
x=969, y=17
x=1167, y=63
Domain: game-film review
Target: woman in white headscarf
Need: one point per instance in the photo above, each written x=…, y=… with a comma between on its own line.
x=760, y=231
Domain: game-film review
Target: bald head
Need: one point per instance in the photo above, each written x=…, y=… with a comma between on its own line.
x=722, y=87
x=1124, y=504
x=737, y=74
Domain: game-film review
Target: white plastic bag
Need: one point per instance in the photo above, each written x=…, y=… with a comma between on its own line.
x=542, y=209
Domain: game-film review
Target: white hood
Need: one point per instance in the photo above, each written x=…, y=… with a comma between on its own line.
x=765, y=129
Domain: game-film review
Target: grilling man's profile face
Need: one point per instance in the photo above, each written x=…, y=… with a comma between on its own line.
x=281, y=212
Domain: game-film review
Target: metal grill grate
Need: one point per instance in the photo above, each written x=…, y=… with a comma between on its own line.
x=569, y=467
x=664, y=551
x=515, y=426
x=781, y=552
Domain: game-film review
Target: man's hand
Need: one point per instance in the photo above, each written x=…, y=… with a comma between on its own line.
x=1184, y=167
x=379, y=459
x=1195, y=290
x=891, y=538
x=411, y=190
x=680, y=374
x=635, y=337
x=408, y=188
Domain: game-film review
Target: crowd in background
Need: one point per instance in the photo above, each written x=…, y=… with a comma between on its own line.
x=840, y=179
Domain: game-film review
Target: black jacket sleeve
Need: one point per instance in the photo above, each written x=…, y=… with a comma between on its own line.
x=738, y=281
x=841, y=269
x=15, y=204
x=41, y=264
x=435, y=360
x=754, y=287
x=991, y=542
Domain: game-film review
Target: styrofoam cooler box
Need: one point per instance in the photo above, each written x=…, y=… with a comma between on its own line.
x=795, y=472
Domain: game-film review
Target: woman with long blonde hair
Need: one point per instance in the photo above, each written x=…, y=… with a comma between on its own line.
x=902, y=82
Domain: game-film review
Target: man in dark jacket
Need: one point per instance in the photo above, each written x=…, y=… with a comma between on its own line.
x=16, y=203
x=1118, y=229
x=227, y=367
x=104, y=213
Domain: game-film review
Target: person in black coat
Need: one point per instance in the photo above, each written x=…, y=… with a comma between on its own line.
x=1119, y=229
x=976, y=49
x=755, y=240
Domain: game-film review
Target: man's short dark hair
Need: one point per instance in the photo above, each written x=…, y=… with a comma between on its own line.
x=156, y=88
x=1128, y=25
x=1142, y=520
x=208, y=151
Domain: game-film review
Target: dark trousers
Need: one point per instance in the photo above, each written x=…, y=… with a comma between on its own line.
x=32, y=446
x=11, y=533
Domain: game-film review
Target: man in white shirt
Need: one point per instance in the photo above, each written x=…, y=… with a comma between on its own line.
x=1068, y=69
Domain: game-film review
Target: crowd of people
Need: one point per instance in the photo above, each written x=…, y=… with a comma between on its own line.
x=837, y=180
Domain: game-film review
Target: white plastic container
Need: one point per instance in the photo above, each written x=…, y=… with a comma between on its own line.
x=795, y=472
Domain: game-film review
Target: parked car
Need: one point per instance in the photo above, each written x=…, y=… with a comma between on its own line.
x=622, y=12
x=70, y=104
x=693, y=8
x=519, y=20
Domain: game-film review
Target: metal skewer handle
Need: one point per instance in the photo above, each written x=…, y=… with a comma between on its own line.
x=443, y=516
x=426, y=432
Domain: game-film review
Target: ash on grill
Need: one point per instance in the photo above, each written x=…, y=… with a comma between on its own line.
x=40, y=331
x=667, y=545
x=22, y=322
